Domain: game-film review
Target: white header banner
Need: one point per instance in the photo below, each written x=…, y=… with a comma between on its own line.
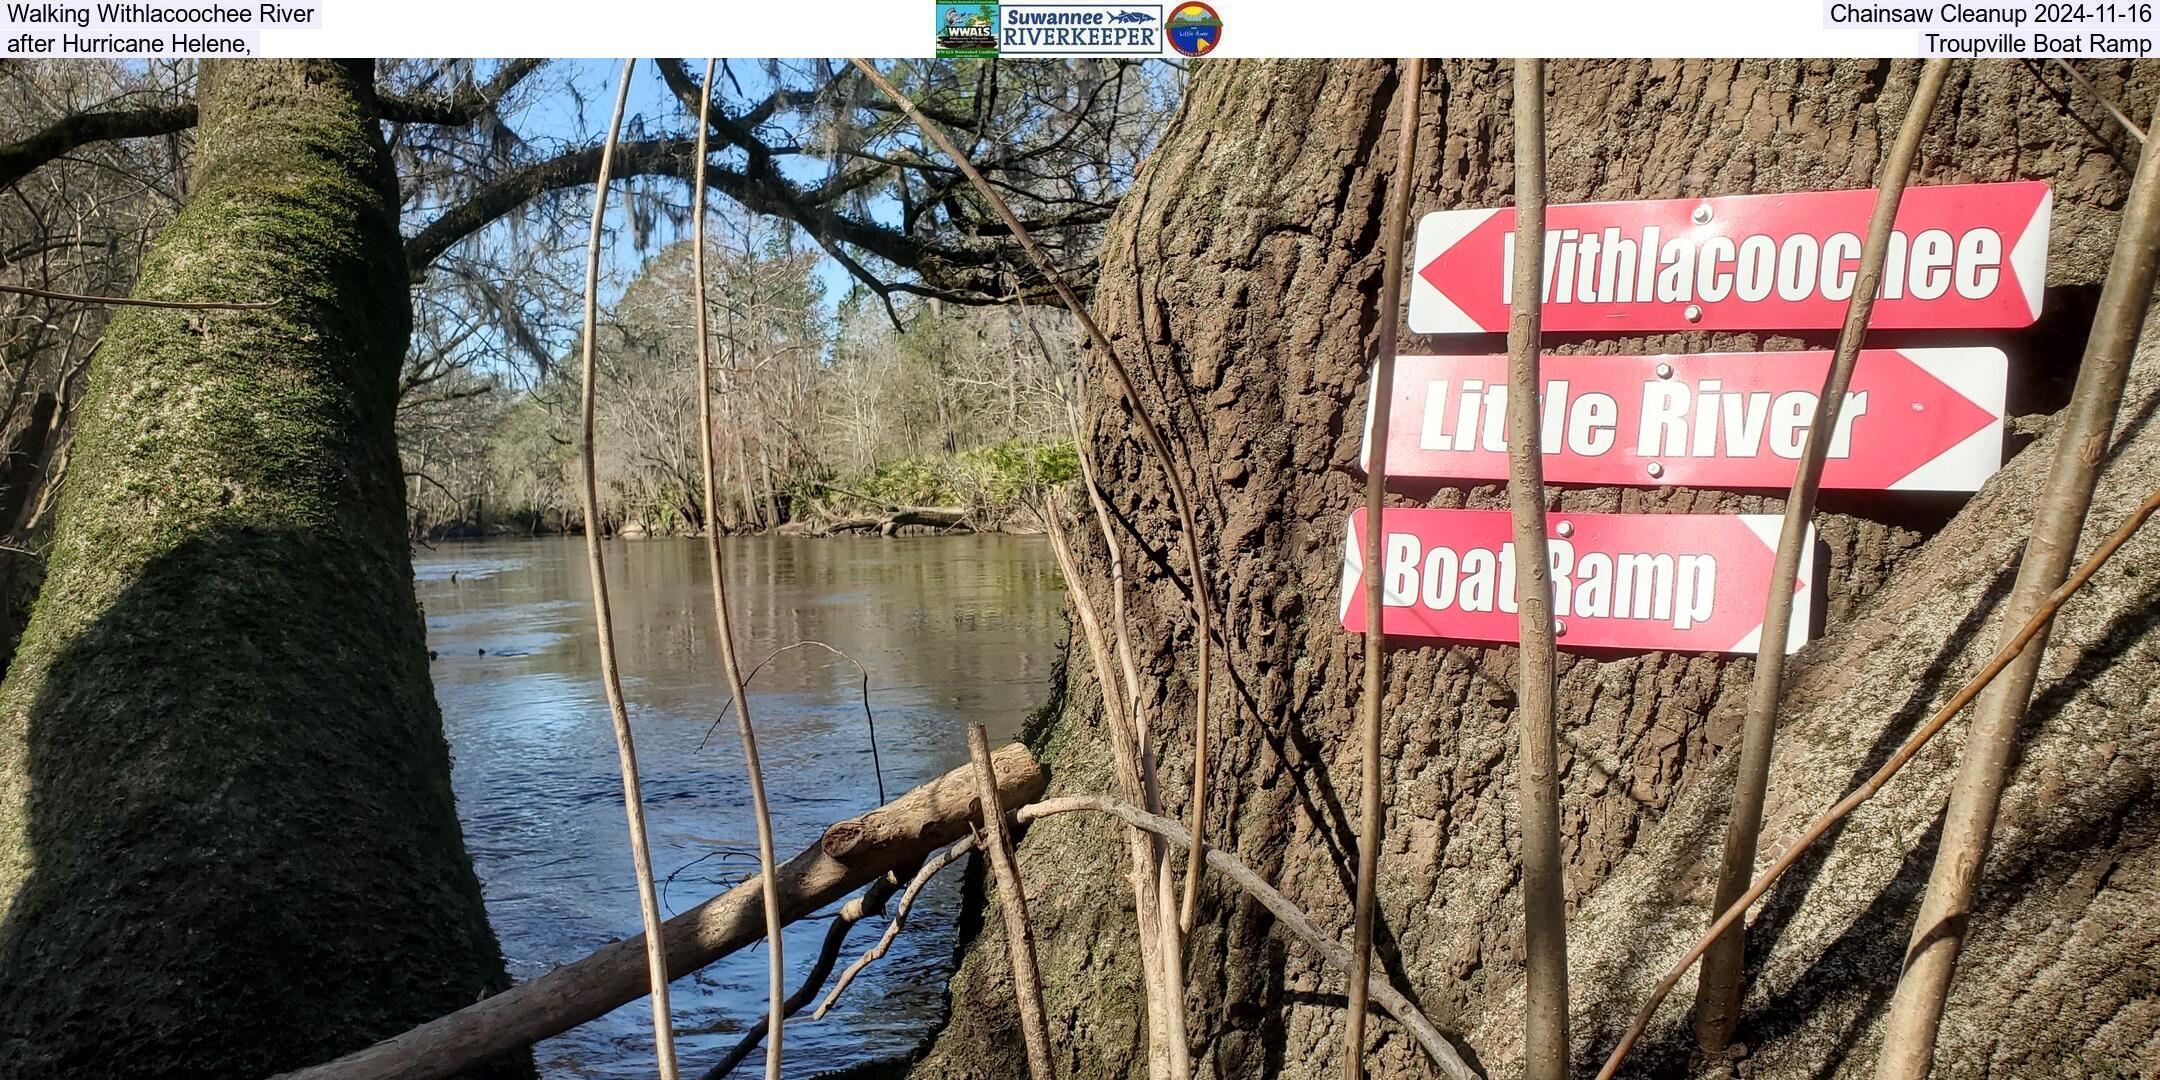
x=1025, y=28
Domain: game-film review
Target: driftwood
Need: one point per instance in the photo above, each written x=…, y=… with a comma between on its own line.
x=900, y=517
x=891, y=521
x=851, y=854
x=1288, y=915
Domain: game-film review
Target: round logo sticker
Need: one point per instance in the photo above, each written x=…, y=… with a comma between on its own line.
x=1195, y=29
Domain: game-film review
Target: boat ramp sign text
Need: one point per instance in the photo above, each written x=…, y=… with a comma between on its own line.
x=1689, y=583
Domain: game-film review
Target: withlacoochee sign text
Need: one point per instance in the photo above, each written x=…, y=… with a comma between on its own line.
x=1683, y=582
x=1967, y=255
x=1912, y=419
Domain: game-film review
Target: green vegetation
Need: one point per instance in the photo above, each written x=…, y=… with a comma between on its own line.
x=954, y=407
x=994, y=483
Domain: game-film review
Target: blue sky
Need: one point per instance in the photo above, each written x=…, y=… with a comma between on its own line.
x=559, y=117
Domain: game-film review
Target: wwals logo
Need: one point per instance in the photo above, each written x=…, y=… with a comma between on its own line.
x=967, y=30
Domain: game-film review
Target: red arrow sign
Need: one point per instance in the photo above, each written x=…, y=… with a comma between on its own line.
x=1967, y=255
x=1913, y=419
x=1685, y=582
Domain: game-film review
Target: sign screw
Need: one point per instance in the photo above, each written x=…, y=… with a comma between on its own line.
x=1702, y=214
x=1664, y=371
x=1694, y=313
x=1559, y=628
x=1565, y=529
x=1656, y=470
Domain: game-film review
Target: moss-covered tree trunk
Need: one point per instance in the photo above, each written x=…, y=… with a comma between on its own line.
x=1241, y=280
x=227, y=839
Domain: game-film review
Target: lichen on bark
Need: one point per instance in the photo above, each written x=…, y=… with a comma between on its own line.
x=227, y=838
x=1241, y=280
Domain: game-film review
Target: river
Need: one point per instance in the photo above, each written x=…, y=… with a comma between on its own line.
x=953, y=630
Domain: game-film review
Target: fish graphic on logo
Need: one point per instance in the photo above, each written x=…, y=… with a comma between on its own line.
x=1195, y=29
x=1132, y=17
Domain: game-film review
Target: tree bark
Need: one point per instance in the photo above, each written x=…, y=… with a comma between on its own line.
x=227, y=839
x=1241, y=285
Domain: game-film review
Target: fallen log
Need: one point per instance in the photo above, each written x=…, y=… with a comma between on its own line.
x=900, y=517
x=851, y=854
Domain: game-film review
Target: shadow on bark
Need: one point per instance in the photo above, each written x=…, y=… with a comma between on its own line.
x=1866, y=957
x=243, y=854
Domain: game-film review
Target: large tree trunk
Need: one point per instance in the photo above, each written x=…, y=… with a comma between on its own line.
x=1241, y=279
x=227, y=841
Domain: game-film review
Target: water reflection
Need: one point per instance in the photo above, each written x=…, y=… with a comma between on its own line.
x=953, y=630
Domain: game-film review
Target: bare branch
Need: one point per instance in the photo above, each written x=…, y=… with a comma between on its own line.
x=1012, y=904
x=128, y=301
x=964, y=273
x=1717, y=997
x=610, y=677
x=1369, y=705
x=461, y=106
x=724, y=626
x=18, y=159
x=1405, y=1012
x=869, y=718
x=1732, y=914
x=894, y=925
x=1991, y=746
x=850, y=916
x=2106, y=102
x=1151, y=436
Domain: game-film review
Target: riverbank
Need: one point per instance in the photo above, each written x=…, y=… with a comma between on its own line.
x=983, y=490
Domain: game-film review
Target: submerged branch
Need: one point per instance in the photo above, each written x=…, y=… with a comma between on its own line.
x=850, y=855
x=877, y=766
x=851, y=915
x=896, y=923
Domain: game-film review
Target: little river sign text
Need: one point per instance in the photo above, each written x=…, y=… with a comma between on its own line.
x=1912, y=420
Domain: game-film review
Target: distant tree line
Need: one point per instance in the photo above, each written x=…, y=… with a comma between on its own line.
x=819, y=407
